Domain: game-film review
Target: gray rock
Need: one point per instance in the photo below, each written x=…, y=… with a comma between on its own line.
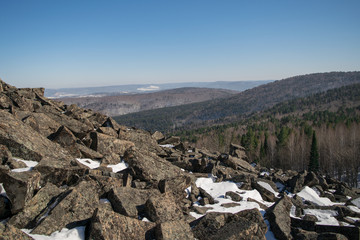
x=20, y=188
x=233, y=196
x=107, y=225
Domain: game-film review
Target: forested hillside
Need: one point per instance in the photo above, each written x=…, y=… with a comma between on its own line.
x=238, y=106
x=281, y=136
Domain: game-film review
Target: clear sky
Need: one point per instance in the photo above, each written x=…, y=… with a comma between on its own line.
x=73, y=43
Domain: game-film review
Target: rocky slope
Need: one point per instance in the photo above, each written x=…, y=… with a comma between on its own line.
x=64, y=168
x=123, y=104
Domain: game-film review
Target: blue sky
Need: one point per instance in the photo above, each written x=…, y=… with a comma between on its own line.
x=73, y=43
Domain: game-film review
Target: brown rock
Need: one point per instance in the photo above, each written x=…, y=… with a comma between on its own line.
x=107, y=145
x=173, y=230
x=233, y=196
x=8, y=232
x=33, y=207
x=106, y=225
x=20, y=188
x=238, y=152
x=67, y=140
x=108, y=131
x=176, y=186
x=77, y=204
x=5, y=207
x=264, y=192
x=279, y=218
x=88, y=153
x=239, y=164
x=5, y=154
x=41, y=123
x=142, y=140
x=130, y=201
x=158, y=136
x=163, y=208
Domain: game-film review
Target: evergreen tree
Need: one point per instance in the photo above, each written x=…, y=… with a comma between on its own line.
x=314, y=155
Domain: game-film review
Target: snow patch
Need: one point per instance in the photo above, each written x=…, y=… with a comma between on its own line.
x=311, y=196
x=149, y=88
x=167, y=146
x=268, y=187
x=356, y=202
x=29, y=165
x=89, y=162
x=325, y=217
x=77, y=233
x=118, y=167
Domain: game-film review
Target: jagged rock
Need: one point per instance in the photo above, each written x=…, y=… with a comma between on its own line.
x=163, y=208
x=349, y=232
x=106, y=183
x=23, y=142
x=5, y=207
x=158, y=136
x=229, y=205
x=130, y=201
x=266, y=194
x=20, y=188
x=106, y=225
x=204, y=201
x=262, y=206
x=204, y=194
x=309, y=217
x=238, y=152
x=88, y=153
x=20, y=101
x=150, y=167
x=142, y=140
x=8, y=232
x=108, y=131
x=173, y=230
x=311, y=179
x=176, y=186
x=233, y=196
x=33, y=207
x=247, y=224
x=5, y=101
x=298, y=203
x=301, y=234
x=201, y=210
x=76, y=204
x=279, y=218
x=107, y=145
x=343, y=189
x=174, y=140
x=60, y=171
x=67, y=140
x=238, y=164
x=296, y=183
x=41, y=123
x=5, y=154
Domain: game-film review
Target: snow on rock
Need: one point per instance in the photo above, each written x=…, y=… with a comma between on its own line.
x=354, y=209
x=268, y=187
x=356, y=202
x=29, y=165
x=280, y=186
x=311, y=196
x=167, y=146
x=118, y=167
x=216, y=189
x=325, y=217
x=77, y=233
x=89, y=163
x=2, y=191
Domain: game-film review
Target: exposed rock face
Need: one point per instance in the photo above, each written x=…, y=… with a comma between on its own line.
x=9, y=232
x=76, y=204
x=174, y=230
x=106, y=225
x=279, y=218
x=20, y=188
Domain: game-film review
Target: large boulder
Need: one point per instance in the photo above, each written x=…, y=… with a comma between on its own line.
x=238, y=164
x=174, y=230
x=41, y=123
x=20, y=188
x=108, y=225
x=162, y=208
x=148, y=166
x=76, y=204
x=67, y=140
x=247, y=224
x=24, y=142
x=106, y=144
x=130, y=201
x=45, y=196
x=142, y=140
x=279, y=218
x=238, y=152
x=5, y=154
x=176, y=185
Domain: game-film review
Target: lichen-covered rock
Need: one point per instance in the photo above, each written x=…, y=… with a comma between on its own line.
x=67, y=140
x=20, y=188
x=9, y=232
x=44, y=197
x=108, y=225
x=130, y=201
x=106, y=144
x=76, y=204
x=174, y=230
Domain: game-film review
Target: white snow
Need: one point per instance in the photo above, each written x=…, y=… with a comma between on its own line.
x=354, y=209
x=356, y=202
x=2, y=190
x=89, y=162
x=311, y=196
x=104, y=200
x=188, y=191
x=29, y=165
x=167, y=146
x=264, y=173
x=77, y=233
x=268, y=187
x=118, y=167
x=325, y=217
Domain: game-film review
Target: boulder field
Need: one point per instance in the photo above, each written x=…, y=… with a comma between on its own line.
x=63, y=168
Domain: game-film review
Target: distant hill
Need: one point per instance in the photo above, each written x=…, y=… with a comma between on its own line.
x=142, y=88
x=235, y=107
x=122, y=104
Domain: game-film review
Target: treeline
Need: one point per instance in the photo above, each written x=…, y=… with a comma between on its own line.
x=282, y=135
